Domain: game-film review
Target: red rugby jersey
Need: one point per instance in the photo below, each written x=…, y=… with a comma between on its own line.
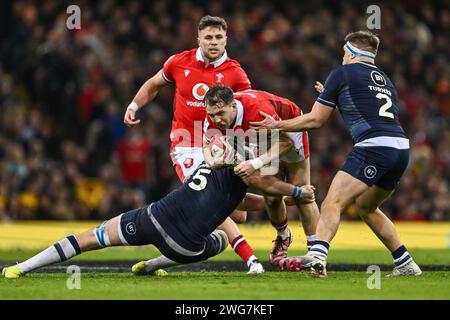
x=251, y=102
x=192, y=79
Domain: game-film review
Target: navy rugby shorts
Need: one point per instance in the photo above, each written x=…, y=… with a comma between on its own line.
x=139, y=227
x=380, y=166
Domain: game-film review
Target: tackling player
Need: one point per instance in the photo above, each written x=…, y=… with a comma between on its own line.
x=235, y=111
x=367, y=101
x=181, y=225
x=193, y=72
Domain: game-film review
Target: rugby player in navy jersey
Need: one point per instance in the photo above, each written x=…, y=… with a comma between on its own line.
x=182, y=225
x=367, y=101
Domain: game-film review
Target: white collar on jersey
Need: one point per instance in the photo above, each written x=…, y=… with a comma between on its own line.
x=367, y=64
x=216, y=63
x=240, y=113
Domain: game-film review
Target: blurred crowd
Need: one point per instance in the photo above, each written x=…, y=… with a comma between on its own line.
x=65, y=153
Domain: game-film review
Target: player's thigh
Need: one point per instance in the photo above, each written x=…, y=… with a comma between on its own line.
x=371, y=199
x=213, y=244
x=299, y=152
x=298, y=173
x=133, y=228
x=344, y=189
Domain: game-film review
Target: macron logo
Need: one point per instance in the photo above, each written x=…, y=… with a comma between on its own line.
x=186, y=72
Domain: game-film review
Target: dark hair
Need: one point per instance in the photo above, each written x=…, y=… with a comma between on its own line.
x=364, y=40
x=219, y=94
x=210, y=21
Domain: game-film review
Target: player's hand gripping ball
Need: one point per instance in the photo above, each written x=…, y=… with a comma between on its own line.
x=218, y=145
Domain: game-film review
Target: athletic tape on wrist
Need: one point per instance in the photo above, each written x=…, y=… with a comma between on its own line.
x=133, y=106
x=257, y=163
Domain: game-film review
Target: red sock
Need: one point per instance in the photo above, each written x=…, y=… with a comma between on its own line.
x=280, y=226
x=242, y=248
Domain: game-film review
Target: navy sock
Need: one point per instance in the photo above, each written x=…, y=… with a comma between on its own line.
x=401, y=256
x=319, y=248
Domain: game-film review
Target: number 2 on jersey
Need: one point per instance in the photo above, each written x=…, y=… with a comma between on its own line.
x=199, y=181
x=383, y=110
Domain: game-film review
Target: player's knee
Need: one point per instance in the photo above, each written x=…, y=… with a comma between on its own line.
x=332, y=203
x=239, y=216
x=87, y=240
x=101, y=235
x=273, y=202
x=363, y=209
x=298, y=179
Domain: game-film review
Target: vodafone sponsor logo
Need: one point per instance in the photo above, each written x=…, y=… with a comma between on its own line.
x=199, y=91
x=195, y=103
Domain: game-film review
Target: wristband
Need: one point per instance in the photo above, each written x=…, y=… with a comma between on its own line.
x=257, y=163
x=133, y=106
x=297, y=192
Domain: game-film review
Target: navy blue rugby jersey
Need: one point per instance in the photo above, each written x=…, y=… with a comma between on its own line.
x=366, y=99
x=200, y=205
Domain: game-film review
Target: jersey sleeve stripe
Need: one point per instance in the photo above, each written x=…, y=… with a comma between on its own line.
x=165, y=77
x=326, y=102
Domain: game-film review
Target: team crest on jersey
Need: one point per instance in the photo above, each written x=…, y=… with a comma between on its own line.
x=219, y=77
x=199, y=91
x=378, y=78
x=188, y=163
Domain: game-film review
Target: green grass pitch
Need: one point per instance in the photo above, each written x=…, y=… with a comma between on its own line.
x=233, y=285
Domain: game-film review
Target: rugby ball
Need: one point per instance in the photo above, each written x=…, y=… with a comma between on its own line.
x=218, y=145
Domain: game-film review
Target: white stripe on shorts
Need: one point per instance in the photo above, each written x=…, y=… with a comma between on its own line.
x=392, y=142
x=170, y=242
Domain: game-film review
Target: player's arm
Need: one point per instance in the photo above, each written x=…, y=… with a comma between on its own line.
x=147, y=92
x=215, y=162
x=279, y=148
x=275, y=186
x=312, y=120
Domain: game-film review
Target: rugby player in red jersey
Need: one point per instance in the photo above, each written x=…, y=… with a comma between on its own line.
x=227, y=111
x=193, y=72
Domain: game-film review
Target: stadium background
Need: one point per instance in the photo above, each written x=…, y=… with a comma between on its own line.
x=62, y=141
x=63, y=145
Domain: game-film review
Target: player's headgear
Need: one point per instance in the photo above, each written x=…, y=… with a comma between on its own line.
x=362, y=44
x=358, y=52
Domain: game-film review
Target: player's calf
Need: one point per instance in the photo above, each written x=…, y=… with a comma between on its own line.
x=66, y=249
